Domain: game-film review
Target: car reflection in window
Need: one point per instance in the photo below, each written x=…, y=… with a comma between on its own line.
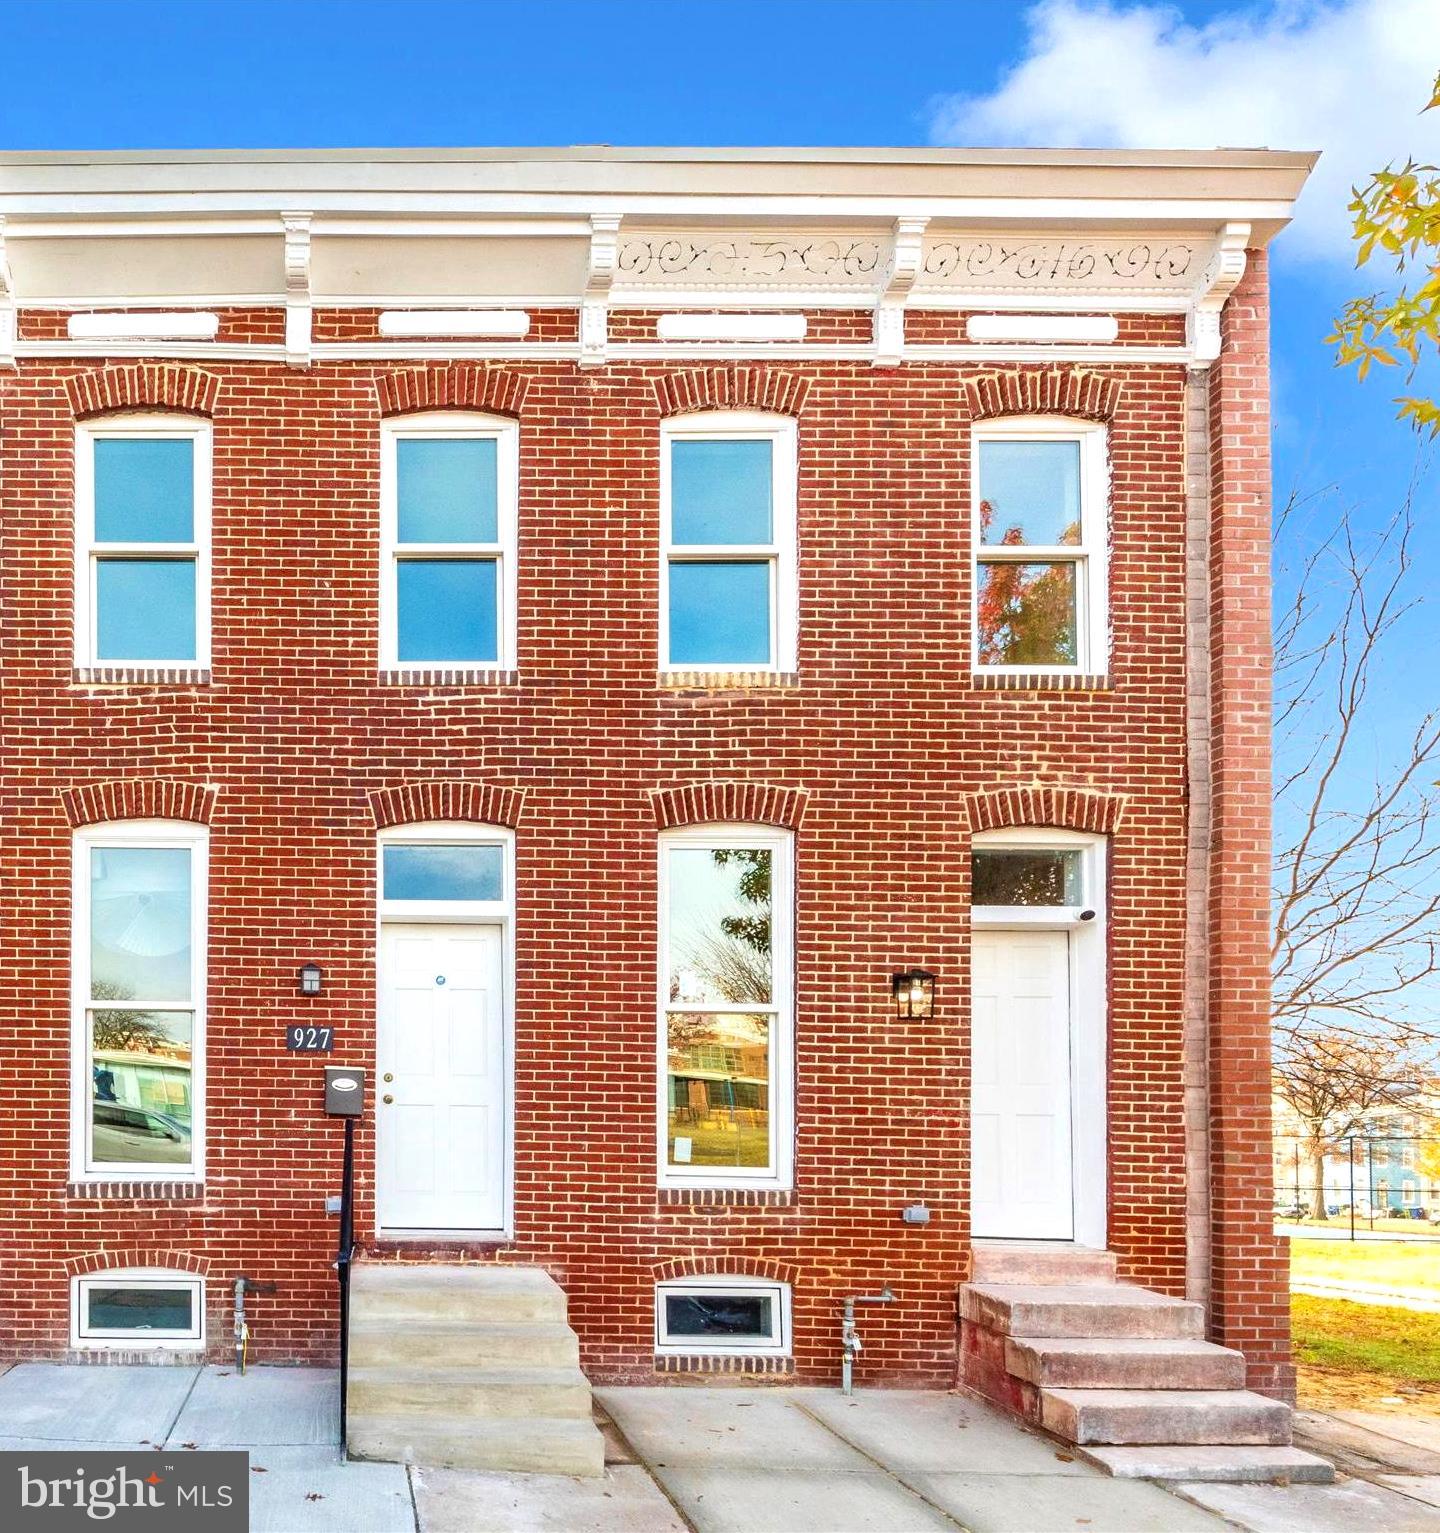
x=135, y=1134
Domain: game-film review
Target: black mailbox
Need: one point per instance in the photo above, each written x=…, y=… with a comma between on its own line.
x=344, y=1092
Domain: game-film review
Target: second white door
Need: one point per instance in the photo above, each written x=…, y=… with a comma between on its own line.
x=1022, y=1163
x=441, y=1103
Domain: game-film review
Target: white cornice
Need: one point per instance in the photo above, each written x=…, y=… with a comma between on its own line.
x=7, y=305
x=1224, y=269
x=297, y=289
x=907, y=254
x=600, y=278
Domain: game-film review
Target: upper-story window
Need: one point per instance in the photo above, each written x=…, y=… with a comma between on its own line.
x=727, y=569
x=142, y=556
x=448, y=490
x=139, y=978
x=1040, y=541
x=725, y=1006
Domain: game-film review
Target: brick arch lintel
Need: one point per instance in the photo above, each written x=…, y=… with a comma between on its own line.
x=1083, y=393
x=731, y=386
x=725, y=1266
x=742, y=803
x=109, y=1261
x=143, y=386
x=411, y=803
x=456, y=386
x=1064, y=808
x=138, y=798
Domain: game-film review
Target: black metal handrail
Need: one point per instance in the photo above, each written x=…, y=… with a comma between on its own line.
x=343, y=1258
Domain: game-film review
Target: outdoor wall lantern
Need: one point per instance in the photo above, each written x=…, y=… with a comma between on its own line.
x=914, y=993
x=312, y=979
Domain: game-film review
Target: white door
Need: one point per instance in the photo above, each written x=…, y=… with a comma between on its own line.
x=1021, y=1166
x=441, y=1103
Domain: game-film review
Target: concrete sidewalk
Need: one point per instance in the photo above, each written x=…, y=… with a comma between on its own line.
x=713, y=1460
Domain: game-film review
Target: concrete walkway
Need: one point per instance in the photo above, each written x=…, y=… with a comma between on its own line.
x=712, y=1460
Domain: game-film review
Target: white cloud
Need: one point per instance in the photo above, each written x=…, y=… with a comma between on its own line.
x=1346, y=78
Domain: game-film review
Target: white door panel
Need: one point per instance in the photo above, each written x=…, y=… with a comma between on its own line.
x=1022, y=1176
x=440, y=1145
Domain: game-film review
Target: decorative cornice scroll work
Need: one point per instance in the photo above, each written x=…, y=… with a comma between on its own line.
x=663, y=259
x=297, y=288
x=1043, y=391
x=1058, y=807
x=1224, y=269
x=688, y=389
x=7, y=305
x=1000, y=264
x=143, y=385
x=740, y=803
x=480, y=803
x=460, y=386
x=906, y=257
x=150, y=798
x=595, y=305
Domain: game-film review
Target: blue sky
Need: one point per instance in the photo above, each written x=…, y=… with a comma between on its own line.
x=1345, y=76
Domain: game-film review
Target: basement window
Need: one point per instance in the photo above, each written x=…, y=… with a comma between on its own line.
x=139, y=1308
x=722, y=1315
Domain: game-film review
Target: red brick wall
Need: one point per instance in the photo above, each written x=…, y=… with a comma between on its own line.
x=885, y=732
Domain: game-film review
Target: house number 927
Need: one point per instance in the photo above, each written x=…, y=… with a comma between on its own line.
x=310, y=1040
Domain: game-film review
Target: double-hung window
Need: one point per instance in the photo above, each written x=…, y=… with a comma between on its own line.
x=448, y=490
x=725, y=1080
x=727, y=568
x=142, y=558
x=139, y=983
x=1041, y=493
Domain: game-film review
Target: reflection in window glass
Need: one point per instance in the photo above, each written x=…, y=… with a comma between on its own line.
x=446, y=609
x=720, y=491
x=1024, y=877
x=140, y=1076
x=720, y=613
x=445, y=490
x=1026, y=614
x=144, y=490
x=1030, y=492
x=140, y=1309
x=140, y=920
x=463, y=872
x=719, y=925
x=732, y=1316
x=145, y=609
x=719, y=1089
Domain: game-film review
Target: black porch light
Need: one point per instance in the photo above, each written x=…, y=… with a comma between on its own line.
x=914, y=993
x=312, y=979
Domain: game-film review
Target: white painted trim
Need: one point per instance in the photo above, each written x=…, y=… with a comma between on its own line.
x=168, y=427
x=500, y=914
x=781, y=552
x=298, y=331
x=731, y=327
x=1089, y=1007
x=84, y=1340
x=463, y=425
x=1090, y=556
x=181, y=834
x=780, y=843
x=1042, y=327
x=420, y=322
x=777, y=1344
x=188, y=325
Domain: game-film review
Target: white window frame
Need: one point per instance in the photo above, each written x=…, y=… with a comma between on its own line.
x=136, y=833
x=82, y=1338
x=1087, y=925
x=780, y=843
x=778, y=1344
x=780, y=553
x=453, y=425
x=88, y=552
x=1090, y=556
x=499, y=913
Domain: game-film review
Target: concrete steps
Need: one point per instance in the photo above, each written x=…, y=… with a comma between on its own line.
x=470, y=1366
x=1120, y=1371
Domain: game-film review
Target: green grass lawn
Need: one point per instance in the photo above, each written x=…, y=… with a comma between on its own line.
x=1379, y=1350
x=1379, y=1262
x=714, y=1144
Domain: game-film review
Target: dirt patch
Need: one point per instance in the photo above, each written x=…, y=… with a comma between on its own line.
x=1341, y=1389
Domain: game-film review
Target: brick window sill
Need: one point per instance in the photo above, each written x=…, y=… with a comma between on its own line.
x=727, y=681
x=451, y=676
x=727, y=1197
x=667, y=1362
x=138, y=1192
x=984, y=681
x=140, y=676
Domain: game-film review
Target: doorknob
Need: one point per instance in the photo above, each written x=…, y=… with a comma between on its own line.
x=389, y=1077
x=387, y=1098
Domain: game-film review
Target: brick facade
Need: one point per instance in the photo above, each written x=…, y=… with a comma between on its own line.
x=882, y=754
